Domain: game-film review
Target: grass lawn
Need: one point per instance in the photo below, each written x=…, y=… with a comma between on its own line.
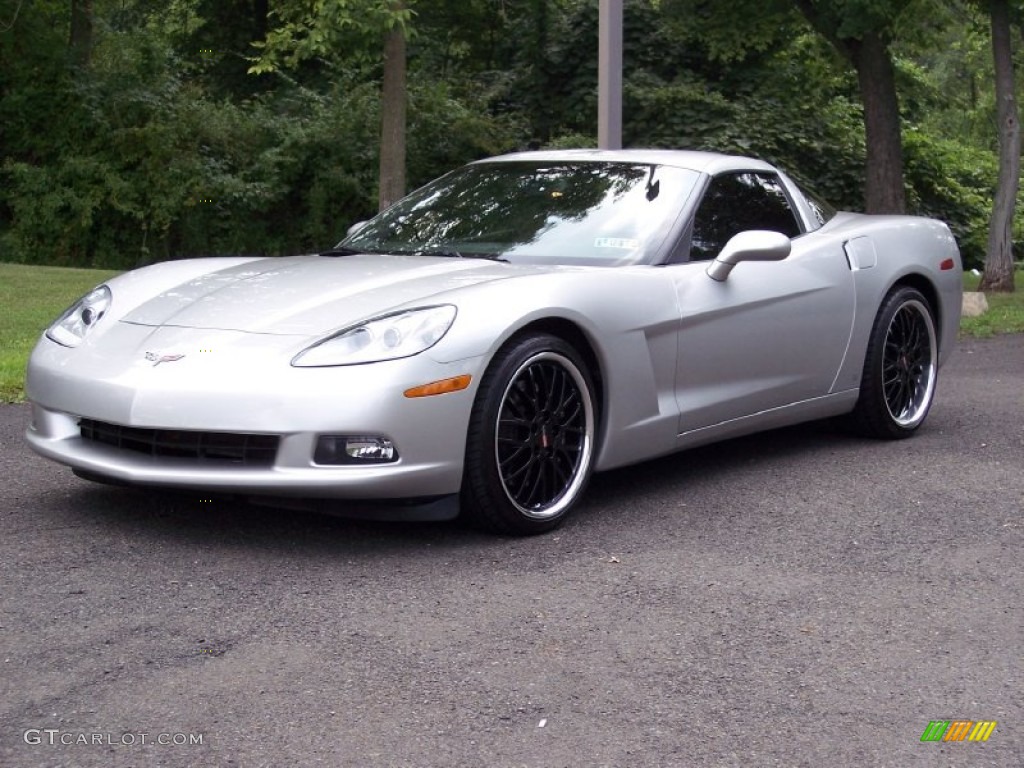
x=1005, y=310
x=32, y=297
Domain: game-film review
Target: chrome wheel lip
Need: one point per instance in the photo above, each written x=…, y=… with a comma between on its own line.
x=579, y=472
x=909, y=364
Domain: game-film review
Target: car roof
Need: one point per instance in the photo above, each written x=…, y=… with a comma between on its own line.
x=702, y=162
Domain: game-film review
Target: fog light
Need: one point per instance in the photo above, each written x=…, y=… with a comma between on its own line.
x=348, y=449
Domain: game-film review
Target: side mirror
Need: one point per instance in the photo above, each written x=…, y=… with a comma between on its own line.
x=753, y=245
x=355, y=228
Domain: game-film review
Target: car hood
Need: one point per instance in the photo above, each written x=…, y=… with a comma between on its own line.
x=312, y=295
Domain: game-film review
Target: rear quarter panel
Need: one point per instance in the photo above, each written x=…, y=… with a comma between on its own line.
x=908, y=250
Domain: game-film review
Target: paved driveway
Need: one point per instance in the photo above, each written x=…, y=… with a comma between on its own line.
x=801, y=598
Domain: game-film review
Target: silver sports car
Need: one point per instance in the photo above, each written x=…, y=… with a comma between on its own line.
x=490, y=340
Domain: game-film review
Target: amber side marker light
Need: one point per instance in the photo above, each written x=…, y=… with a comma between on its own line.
x=442, y=387
x=947, y=265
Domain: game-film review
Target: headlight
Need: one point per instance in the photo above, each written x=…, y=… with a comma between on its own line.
x=80, y=318
x=402, y=334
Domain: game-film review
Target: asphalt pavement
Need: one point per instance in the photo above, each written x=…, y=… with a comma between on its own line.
x=799, y=598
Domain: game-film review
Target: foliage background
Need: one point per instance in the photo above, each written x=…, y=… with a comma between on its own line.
x=162, y=145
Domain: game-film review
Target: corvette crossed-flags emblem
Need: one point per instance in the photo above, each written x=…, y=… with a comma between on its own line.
x=156, y=358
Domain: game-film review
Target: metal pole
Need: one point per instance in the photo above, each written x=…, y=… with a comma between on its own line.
x=609, y=75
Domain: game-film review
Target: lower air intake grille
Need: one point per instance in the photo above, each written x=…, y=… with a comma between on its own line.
x=250, y=450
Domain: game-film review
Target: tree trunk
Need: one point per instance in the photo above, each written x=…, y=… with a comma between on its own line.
x=883, y=189
x=998, y=274
x=871, y=58
x=392, y=119
x=80, y=38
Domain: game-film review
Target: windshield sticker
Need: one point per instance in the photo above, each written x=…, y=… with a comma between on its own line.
x=616, y=242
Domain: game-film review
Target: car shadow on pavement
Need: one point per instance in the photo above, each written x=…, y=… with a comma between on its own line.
x=675, y=472
x=201, y=519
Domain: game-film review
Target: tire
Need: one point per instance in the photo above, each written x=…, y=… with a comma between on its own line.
x=530, y=444
x=900, y=368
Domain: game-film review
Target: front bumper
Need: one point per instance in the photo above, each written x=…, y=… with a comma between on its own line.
x=242, y=383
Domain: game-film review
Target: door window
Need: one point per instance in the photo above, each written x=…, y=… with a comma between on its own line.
x=737, y=202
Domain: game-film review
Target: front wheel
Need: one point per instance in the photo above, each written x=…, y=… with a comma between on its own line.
x=900, y=368
x=530, y=444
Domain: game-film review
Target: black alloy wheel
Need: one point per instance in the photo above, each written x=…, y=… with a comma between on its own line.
x=900, y=369
x=531, y=438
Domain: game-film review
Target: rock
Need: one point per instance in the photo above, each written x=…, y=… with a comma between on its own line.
x=974, y=304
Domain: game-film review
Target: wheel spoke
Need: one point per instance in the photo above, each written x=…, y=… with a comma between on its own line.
x=515, y=458
x=537, y=475
x=556, y=378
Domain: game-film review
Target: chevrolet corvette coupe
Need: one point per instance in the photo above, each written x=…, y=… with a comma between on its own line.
x=485, y=344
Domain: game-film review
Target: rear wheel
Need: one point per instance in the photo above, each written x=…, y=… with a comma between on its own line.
x=900, y=368
x=530, y=444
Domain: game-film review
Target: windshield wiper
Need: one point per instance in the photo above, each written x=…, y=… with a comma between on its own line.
x=448, y=253
x=342, y=250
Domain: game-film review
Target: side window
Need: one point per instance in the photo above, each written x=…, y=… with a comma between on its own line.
x=822, y=211
x=737, y=202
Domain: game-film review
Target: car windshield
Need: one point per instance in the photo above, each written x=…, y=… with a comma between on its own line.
x=587, y=213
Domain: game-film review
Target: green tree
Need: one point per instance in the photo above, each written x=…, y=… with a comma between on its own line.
x=216, y=37
x=307, y=32
x=158, y=143
x=862, y=31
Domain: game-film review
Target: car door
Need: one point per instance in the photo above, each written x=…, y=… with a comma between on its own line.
x=772, y=333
